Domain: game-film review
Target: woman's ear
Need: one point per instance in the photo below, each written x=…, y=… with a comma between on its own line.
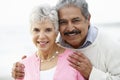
x=57, y=37
x=57, y=33
x=89, y=17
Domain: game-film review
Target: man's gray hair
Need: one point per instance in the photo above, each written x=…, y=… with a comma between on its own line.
x=82, y=4
x=43, y=12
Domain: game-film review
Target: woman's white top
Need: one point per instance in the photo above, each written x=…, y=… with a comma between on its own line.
x=47, y=74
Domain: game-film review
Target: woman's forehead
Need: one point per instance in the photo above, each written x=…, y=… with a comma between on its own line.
x=45, y=23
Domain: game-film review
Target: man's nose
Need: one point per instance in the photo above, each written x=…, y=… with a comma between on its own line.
x=70, y=26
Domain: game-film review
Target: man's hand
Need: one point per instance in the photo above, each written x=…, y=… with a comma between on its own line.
x=81, y=63
x=18, y=70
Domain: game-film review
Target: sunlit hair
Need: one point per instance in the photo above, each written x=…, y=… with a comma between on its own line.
x=82, y=4
x=43, y=12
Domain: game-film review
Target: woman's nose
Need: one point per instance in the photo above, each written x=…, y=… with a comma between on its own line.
x=41, y=35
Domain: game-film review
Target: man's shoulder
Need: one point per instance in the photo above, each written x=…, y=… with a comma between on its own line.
x=105, y=38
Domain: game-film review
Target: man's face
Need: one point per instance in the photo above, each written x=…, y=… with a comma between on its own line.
x=73, y=26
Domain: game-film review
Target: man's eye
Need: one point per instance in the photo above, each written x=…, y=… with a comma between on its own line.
x=62, y=22
x=75, y=21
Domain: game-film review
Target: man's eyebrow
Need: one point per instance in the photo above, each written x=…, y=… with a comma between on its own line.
x=61, y=19
x=76, y=18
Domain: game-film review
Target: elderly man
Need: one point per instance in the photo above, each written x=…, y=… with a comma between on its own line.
x=96, y=55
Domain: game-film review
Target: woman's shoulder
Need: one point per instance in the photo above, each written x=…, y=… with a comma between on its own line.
x=29, y=58
x=66, y=52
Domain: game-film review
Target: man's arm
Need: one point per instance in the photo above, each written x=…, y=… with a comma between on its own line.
x=81, y=63
x=18, y=70
x=89, y=72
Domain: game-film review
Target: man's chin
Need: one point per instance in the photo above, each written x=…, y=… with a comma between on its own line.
x=73, y=44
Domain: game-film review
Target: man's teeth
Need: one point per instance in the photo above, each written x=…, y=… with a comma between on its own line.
x=72, y=34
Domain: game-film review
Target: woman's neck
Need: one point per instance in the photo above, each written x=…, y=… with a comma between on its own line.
x=45, y=55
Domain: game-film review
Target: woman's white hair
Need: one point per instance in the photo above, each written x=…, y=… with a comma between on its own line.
x=43, y=12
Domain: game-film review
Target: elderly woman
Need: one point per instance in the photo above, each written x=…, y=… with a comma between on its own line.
x=49, y=62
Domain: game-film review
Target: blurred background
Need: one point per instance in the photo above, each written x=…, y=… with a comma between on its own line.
x=15, y=39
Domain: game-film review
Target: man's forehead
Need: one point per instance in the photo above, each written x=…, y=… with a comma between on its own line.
x=69, y=13
x=74, y=18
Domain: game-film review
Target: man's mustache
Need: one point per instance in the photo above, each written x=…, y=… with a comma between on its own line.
x=72, y=32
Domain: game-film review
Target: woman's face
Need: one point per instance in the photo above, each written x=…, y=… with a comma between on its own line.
x=43, y=34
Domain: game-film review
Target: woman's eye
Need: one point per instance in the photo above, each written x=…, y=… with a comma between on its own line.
x=48, y=30
x=36, y=30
